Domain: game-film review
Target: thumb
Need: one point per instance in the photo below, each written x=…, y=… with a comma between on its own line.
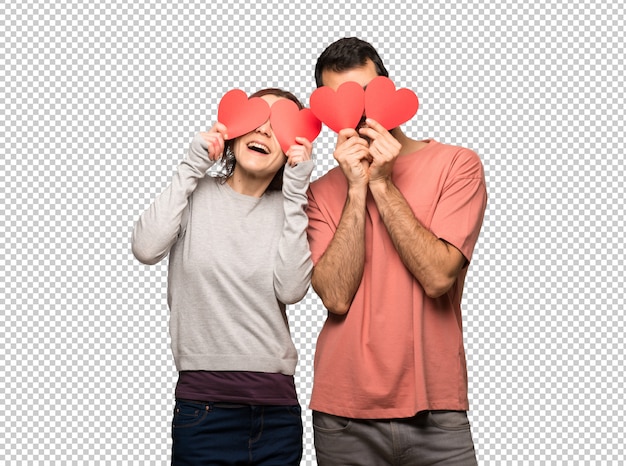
x=346, y=134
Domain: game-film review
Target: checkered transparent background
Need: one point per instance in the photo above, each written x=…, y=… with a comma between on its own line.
x=99, y=102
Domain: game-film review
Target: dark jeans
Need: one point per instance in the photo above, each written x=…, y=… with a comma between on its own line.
x=229, y=434
x=429, y=438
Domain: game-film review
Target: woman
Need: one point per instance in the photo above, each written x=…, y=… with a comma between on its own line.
x=238, y=253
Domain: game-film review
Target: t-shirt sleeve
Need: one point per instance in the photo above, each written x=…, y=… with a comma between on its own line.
x=320, y=231
x=460, y=211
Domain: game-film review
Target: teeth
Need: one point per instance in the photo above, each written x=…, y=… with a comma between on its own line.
x=259, y=147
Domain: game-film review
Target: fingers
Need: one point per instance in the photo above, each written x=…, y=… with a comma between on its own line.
x=352, y=154
x=220, y=128
x=345, y=134
x=349, y=138
x=371, y=123
x=305, y=142
x=215, y=140
x=299, y=152
x=215, y=145
x=374, y=131
x=383, y=149
x=353, y=147
x=383, y=145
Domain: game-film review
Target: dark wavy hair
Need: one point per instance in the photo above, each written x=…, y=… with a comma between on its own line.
x=229, y=162
x=345, y=54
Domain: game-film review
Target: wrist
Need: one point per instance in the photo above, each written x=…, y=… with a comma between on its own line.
x=198, y=153
x=380, y=185
x=357, y=190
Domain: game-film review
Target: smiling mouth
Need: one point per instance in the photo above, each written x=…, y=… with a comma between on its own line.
x=260, y=148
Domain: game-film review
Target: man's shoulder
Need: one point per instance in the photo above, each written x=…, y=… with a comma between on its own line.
x=438, y=147
x=449, y=154
x=333, y=177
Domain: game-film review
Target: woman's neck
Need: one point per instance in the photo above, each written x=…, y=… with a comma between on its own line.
x=247, y=185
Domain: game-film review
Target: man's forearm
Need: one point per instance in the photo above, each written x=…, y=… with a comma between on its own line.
x=433, y=262
x=338, y=273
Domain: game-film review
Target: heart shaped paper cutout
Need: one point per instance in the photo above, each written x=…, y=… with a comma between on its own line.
x=339, y=109
x=288, y=122
x=388, y=106
x=241, y=115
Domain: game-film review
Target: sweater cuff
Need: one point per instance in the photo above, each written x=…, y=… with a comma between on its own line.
x=198, y=155
x=297, y=178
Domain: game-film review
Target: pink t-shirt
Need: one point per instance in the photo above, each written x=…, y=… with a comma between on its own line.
x=397, y=352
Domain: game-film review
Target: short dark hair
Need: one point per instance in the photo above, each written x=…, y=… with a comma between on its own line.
x=229, y=162
x=345, y=54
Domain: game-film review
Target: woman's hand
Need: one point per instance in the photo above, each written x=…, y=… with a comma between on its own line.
x=214, y=140
x=300, y=152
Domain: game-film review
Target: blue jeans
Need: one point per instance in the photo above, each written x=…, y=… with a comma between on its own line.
x=233, y=434
x=429, y=438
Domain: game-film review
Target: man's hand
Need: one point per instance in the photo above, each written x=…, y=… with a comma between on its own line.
x=352, y=154
x=383, y=150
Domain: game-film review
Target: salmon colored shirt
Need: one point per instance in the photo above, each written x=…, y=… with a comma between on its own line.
x=397, y=352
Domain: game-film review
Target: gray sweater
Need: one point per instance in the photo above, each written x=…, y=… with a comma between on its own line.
x=235, y=261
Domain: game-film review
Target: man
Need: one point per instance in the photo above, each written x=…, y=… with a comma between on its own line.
x=391, y=230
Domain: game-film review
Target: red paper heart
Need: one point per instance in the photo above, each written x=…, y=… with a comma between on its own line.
x=241, y=115
x=387, y=106
x=339, y=109
x=288, y=121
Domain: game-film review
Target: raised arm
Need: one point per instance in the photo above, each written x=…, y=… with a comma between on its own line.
x=292, y=275
x=159, y=226
x=434, y=262
x=338, y=273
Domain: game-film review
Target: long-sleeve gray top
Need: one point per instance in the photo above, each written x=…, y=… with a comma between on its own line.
x=235, y=261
